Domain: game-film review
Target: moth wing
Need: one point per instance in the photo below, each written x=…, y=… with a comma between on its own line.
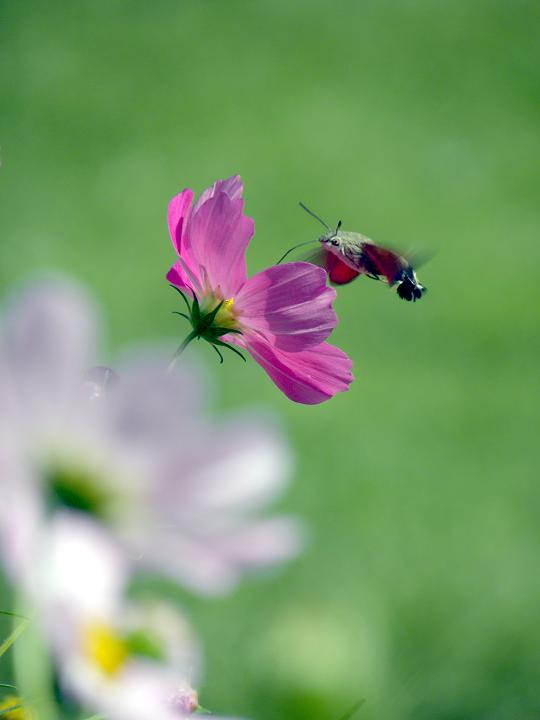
x=417, y=258
x=338, y=271
x=383, y=262
x=316, y=257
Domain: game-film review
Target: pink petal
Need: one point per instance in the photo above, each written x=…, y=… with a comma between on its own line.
x=177, y=217
x=185, y=273
x=177, y=276
x=289, y=304
x=183, y=277
x=310, y=376
x=233, y=187
x=218, y=236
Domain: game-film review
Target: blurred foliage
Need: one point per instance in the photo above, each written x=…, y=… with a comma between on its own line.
x=415, y=122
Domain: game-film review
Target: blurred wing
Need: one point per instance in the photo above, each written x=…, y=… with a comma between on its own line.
x=317, y=257
x=417, y=258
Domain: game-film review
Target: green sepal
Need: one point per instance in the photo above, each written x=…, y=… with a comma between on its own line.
x=214, y=333
x=202, y=325
x=183, y=297
x=219, y=354
x=230, y=347
x=195, y=312
x=226, y=331
x=211, y=316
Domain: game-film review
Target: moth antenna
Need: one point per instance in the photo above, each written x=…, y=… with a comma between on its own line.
x=310, y=212
x=295, y=247
x=338, y=226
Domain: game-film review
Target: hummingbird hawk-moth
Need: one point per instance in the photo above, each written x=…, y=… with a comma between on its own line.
x=345, y=255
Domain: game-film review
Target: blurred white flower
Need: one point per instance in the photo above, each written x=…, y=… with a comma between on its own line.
x=124, y=659
x=179, y=492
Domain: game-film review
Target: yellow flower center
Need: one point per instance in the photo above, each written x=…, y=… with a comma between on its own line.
x=11, y=708
x=105, y=647
x=225, y=316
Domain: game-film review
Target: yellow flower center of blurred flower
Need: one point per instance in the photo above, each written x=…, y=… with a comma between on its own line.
x=11, y=709
x=105, y=647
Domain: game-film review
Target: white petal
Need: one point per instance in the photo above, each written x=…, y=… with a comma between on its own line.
x=153, y=406
x=233, y=468
x=81, y=569
x=47, y=343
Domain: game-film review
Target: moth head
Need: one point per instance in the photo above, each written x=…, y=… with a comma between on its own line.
x=329, y=238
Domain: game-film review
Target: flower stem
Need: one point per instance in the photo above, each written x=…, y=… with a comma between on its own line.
x=192, y=335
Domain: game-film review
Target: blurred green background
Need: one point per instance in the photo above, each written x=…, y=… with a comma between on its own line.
x=417, y=123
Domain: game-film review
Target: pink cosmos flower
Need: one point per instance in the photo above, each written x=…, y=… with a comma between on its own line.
x=281, y=316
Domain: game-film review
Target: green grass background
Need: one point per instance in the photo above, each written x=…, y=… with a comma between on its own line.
x=417, y=123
